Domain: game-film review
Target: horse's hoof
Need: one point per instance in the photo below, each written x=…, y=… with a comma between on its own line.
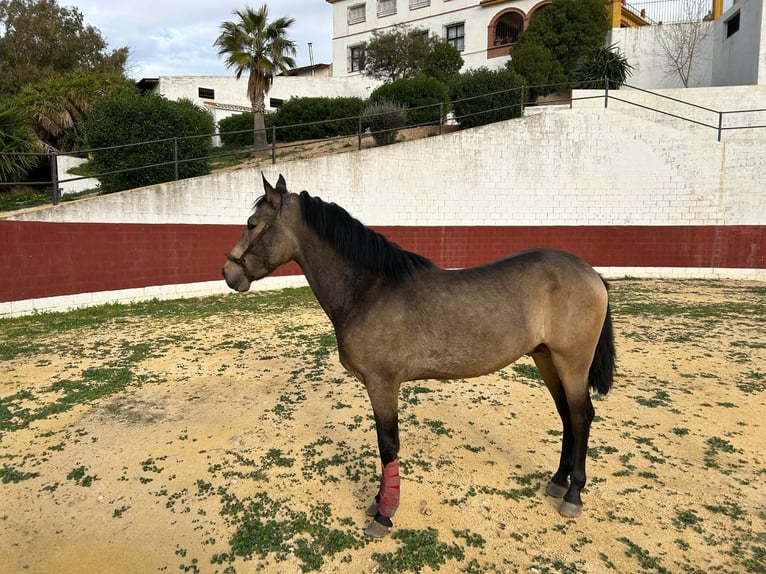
x=570, y=510
x=556, y=490
x=376, y=530
x=372, y=510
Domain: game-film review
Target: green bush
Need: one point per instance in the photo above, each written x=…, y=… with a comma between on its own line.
x=384, y=119
x=129, y=118
x=606, y=62
x=328, y=117
x=421, y=95
x=535, y=63
x=241, y=123
x=16, y=137
x=484, y=96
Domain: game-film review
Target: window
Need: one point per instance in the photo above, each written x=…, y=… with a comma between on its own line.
x=206, y=93
x=732, y=25
x=508, y=29
x=419, y=3
x=386, y=7
x=456, y=35
x=357, y=13
x=356, y=58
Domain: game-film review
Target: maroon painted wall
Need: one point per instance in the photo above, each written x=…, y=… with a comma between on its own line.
x=39, y=259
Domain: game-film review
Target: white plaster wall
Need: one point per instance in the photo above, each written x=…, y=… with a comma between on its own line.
x=584, y=166
x=735, y=61
x=229, y=90
x=641, y=47
x=742, y=107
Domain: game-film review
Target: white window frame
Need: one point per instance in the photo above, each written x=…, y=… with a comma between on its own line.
x=357, y=13
x=419, y=4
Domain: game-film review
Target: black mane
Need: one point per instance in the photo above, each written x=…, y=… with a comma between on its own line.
x=358, y=243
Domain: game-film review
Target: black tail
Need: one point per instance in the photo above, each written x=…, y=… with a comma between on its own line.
x=601, y=374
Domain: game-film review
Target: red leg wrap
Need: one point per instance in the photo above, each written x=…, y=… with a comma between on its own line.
x=389, y=489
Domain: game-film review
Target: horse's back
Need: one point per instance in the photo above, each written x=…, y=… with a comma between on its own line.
x=460, y=323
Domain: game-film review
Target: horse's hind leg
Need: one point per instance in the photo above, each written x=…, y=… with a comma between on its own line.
x=559, y=483
x=576, y=411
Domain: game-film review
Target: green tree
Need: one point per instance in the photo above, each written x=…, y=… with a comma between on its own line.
x=130, y=118
x=405, y=52
x=57, y=107
x=261, y=48
x=39, y=39
x=16, y=138
x=443, y=62
x=559, y=39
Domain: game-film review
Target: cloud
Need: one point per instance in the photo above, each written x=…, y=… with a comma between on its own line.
x=172, y=38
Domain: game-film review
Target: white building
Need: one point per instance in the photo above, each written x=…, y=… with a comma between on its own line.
x=224, y=96
x=733, y=51
x=483, y=30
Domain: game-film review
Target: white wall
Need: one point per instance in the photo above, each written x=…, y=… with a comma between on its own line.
x=736, y=61
x=584, y=166
x=641, y=46
x=229, y=90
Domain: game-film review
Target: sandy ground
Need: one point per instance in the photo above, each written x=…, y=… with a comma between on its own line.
x=235, y=442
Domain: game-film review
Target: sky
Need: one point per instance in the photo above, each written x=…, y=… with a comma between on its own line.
x=175, y=38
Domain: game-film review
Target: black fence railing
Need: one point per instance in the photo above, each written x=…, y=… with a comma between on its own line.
x=516, y=98
x=671, y=11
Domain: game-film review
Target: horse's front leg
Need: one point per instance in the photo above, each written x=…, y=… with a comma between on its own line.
x=384, y=399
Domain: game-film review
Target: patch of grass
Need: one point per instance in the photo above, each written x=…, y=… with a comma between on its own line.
x=79, y=477
x=472, y=539
x=266, y=527
x=418, y=549
x=687, y=519
x=438, y=427
x=9, y=474
x=526, y=371
x=645, y=560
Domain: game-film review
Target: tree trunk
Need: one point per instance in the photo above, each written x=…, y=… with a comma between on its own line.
x=260, y=142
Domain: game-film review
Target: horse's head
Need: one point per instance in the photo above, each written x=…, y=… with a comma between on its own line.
x=267, y=242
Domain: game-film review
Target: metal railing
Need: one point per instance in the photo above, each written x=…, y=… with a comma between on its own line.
x=516, y=98
x=671, y=11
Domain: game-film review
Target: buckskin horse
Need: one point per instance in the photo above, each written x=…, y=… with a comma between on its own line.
x=398, y=317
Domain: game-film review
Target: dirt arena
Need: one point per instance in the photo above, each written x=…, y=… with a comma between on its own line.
x=222, y=435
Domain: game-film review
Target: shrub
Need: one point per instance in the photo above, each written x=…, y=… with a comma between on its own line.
x=328, y=117
x=383, y=119
x=16, y=137
x=421, y=95
x=129, y=118
x=605, y=62
x=242, y=123
x=537, y=66
x=484, y=96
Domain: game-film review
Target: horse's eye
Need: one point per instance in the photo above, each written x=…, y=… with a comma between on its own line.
x=250, y=226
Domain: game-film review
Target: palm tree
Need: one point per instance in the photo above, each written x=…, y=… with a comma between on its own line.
x=261, y=48
x=17, y=143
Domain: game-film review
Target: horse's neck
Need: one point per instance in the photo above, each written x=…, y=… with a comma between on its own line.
x=336, y=283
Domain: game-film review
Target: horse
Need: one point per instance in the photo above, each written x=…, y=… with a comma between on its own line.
x=399, y=317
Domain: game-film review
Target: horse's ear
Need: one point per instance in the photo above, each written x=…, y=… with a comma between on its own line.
x=273, y=196
x=281, y=184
